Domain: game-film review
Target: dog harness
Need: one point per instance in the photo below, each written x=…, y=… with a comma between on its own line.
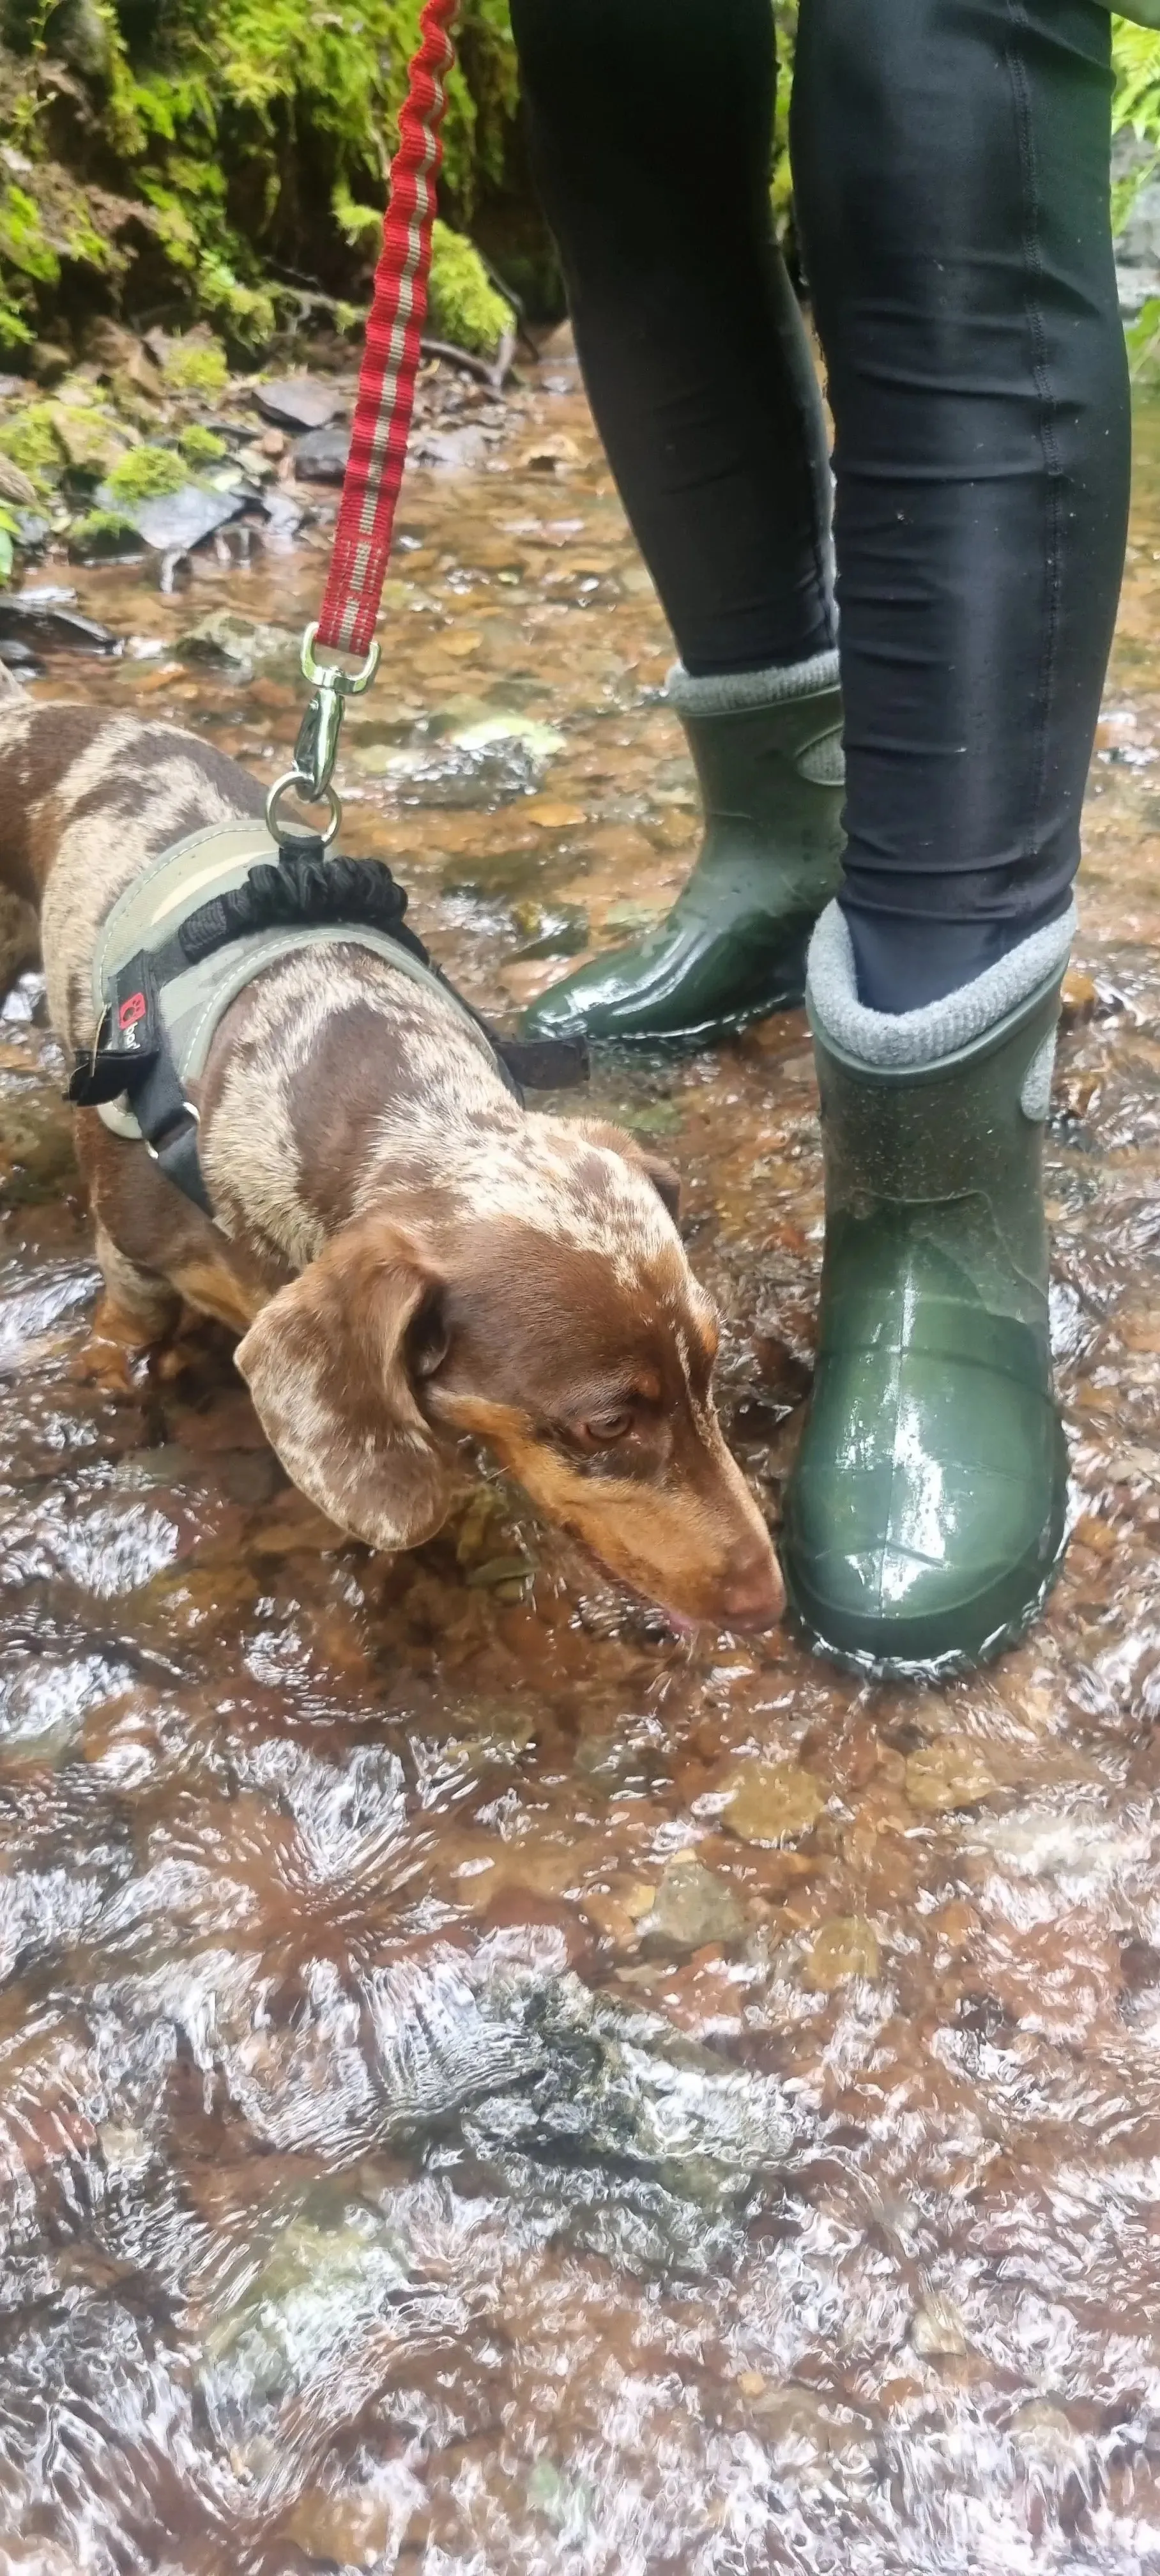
x=195, y=928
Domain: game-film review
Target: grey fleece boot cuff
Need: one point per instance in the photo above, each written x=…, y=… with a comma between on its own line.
x=907, y=1041
x=732, y=693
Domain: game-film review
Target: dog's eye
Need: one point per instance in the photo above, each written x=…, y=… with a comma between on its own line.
x=604, y=1429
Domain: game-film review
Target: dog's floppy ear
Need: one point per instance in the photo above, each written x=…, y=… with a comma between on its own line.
x=329, y=1363
x=666, y=1182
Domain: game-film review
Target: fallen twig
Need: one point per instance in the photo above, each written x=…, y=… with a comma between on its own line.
x=488, y=371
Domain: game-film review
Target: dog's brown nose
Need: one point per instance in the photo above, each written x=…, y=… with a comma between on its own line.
x=753, y=1595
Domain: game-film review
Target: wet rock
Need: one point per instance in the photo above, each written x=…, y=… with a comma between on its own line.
x=558, y=930
x=1043, y=2433
x=81, y=36
x=41, y=617
x=50, y=362
x=844, y=1947
x=300, y=402
x=503, y=1731
x=693, y=1907
x=499, y=1571
x=937, y=2328
x=32, y=529
x=480, y=1524
x=1039, y=1843
x=355, y=2528
x=1079, y=997
x=467, y=774
x=613, y=1758
x=633, y=915
x=324, y=2285
x=486, y=732
x=553, y=815
x=811, y=2441
x=177, y=521
x=321, y=457
x=108, y=345
x=458, y=451
x=773, y=1802
x=951, y=1773
x=16, y=655
x=44, y=1704
x=706, y=1997
x=99, y=537
x=92, y=441
x=565, y=2500
x=428, y=2033
x=617, y=1910
x=549, y=455
x=228, y=641
x=15, y=485
x=623, y=2085
x=282, y=513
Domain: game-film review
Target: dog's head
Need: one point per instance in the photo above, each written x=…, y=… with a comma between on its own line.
x=551, y=1313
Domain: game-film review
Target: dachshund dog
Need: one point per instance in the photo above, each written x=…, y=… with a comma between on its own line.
x=410, y=1257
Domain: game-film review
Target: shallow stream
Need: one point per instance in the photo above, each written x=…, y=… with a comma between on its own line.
x=488, y=2088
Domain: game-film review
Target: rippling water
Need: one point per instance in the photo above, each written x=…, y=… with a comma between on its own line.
x=487, y=2089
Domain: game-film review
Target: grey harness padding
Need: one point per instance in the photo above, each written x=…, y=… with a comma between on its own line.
x=151, y=910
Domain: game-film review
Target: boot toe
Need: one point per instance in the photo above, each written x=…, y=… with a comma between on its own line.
x=940, y=1547
x=691, y=978
x=558, y=1013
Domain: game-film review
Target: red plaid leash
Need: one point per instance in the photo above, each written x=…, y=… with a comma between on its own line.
x=386, y=392
x=382, y=422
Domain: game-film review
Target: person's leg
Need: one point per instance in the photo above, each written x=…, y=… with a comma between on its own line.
x=952, y=166
x=651, y=125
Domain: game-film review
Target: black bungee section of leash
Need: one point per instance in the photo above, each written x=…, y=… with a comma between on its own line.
x=304, y=888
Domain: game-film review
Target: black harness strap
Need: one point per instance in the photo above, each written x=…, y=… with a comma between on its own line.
x=132, y=1056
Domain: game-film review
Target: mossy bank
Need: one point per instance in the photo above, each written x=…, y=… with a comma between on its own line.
x=225, y=160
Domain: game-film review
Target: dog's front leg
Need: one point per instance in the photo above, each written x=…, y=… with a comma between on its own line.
x=139, y=1309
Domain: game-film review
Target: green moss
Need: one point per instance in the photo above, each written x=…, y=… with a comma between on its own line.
x=147, y=474
x=24, y=243
x=30, y=439
x=102, y=532
x=202, y=446
x=464, y=306
x=197, y=367
x=236, y=142
x=16, y=331
x=356, y=223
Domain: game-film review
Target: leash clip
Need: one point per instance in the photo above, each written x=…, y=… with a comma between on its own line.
x=316, y=749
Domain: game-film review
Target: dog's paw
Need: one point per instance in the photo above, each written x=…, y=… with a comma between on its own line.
x=116, y=1351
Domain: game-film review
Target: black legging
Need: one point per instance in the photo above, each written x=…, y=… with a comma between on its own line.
x=951, y=174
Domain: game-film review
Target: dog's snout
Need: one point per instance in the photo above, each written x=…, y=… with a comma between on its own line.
x=753, y=1595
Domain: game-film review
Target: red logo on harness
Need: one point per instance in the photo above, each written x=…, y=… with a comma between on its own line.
x=132, y=1011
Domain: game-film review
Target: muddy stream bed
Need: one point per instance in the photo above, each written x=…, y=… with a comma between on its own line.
x=488, y=2088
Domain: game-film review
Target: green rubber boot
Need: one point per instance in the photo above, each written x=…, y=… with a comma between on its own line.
x=925, y=1514
x=768, y=752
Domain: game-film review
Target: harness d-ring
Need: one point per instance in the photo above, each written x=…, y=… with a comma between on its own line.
x=296, y=783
